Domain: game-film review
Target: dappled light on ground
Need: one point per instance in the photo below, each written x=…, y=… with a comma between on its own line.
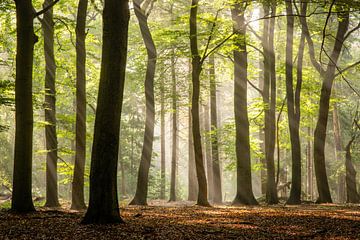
x=184, y=220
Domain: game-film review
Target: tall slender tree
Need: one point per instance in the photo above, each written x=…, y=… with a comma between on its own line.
x=174, y=129
x=103, y=203
x=162, y=139
x=328, y=75
x=293, y=106
x=142, y=10
x=269, y=98
x=77, y=193
x=244, y=193
x=217, y=189
x=47, y=24
x=196, y=70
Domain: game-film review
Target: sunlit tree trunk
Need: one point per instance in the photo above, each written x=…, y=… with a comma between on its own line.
x=162, y=139
x=78, y=201
x=174, y=130
x=103, y=203
x=140, y=197
x=217, y=189
x=208, y=156
x=351, y=191
x=244, y=193
x=50, y=109
x=269, y=98
x=338, y=152
x=196, y=70
x=21, y=195
x=309, y=173
x=293, y=106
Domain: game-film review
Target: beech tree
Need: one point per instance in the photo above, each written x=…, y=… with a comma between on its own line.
x=103, y=202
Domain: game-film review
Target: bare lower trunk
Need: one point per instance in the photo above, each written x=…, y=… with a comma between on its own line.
x=196, y=70
x=351, y=191
x=78, y=201
x=244, y=193
x=21, y=195
x=217, y=189
x=140, y=197
x=103, y=203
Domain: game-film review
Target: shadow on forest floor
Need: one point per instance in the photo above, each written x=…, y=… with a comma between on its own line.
x=183, y=220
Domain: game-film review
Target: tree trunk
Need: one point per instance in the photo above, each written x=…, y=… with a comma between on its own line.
x=78, y=201
x=351, y=191
x=293, y=106
x=196, y=70
x=244, y=193
x=103, y=204
x=269, y=97
x=217, y=189
x=338, y=154
x=174, y=130
x=140, y=197
x=321, y=125
x=208, y=156
x=162, y=147
x=50, y=109
x=21, y=195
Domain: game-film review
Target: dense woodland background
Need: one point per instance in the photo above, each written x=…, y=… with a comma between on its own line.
x=278, y=103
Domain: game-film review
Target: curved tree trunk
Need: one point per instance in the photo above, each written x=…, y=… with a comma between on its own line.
x=50, y=109
x=217, y=189
x=196, y=70
x=244, y=193
x=103, y=203
x=21, y=196
x=321, y=125
x=140, y=197
x=293, y=106
x=78, y=201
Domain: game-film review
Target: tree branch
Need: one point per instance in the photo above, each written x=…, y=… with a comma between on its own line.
x=45, y=9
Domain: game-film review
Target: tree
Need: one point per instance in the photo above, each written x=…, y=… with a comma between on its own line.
x=103, y=203
x=78, y=201
x=50, y=109
x=196, y=70
x=244, y=193
x=327, y=76
x=269, y=98
x=217, y=190
x=142, y=14
x=26, y=38
x=293, y=105
x=174, y=129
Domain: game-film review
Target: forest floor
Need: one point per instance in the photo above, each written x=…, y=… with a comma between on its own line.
x=183, y=220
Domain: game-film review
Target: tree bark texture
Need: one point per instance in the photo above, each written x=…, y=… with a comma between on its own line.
x=140, y=197
x=244, y=193
x=21, y=194
x=216, y=169
x=196, y=70
x=78, y=201
x=103, y=203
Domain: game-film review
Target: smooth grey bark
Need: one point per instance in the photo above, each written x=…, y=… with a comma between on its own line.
x=174, y=130
x=21, y=195
x=293, y=105
x=244, y=193
x=162, y=139
x=78, y=200
x=196, y=70
x=217, y=188
x=140, y=197
x=103, y=204
x=51, y=142
x=269, y=98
